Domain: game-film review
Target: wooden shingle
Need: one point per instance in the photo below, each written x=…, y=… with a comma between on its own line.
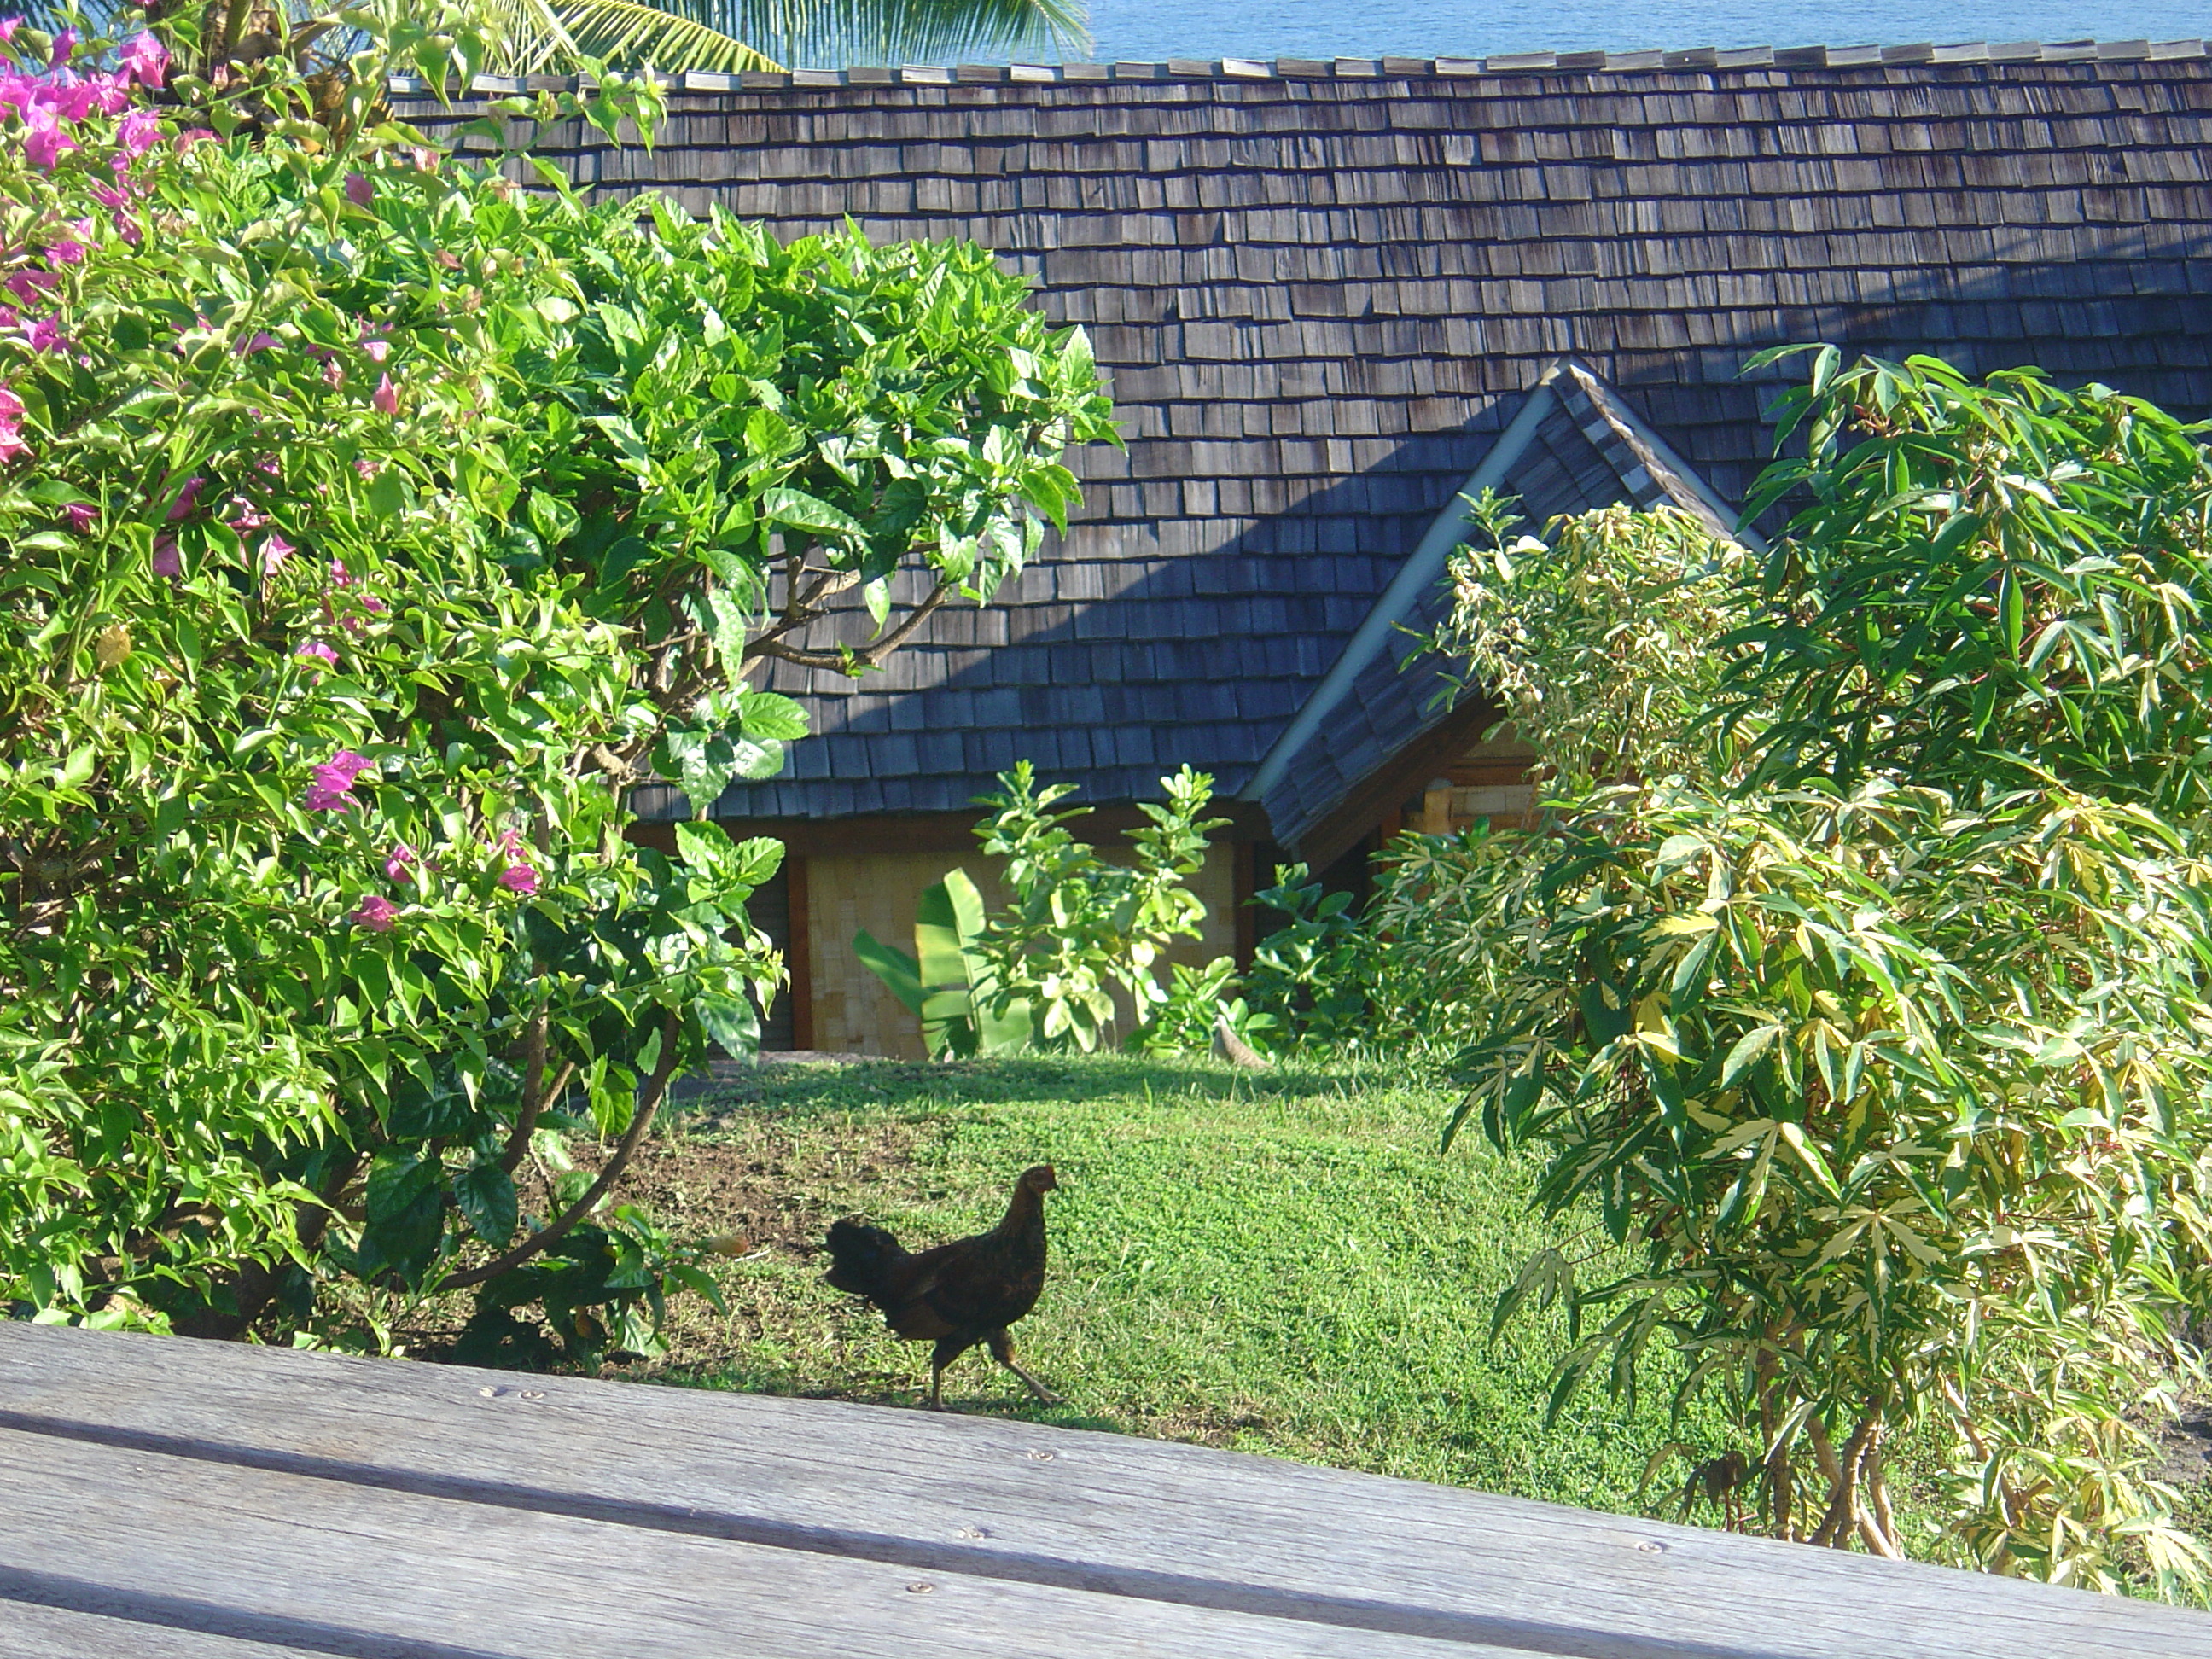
x=1320, y=289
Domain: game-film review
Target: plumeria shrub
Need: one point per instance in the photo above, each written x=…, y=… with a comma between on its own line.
x=373, y=528
x=1854, y=980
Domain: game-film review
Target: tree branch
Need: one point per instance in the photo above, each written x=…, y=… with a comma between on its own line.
x=525, y=1123
x=870, y=655
x=648, y=1102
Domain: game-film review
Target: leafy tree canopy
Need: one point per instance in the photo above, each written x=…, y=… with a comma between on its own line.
x=372, y=526
x=1856, y=975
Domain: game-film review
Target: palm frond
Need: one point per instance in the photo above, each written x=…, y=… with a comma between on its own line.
x=539, y=37
x=836, y=34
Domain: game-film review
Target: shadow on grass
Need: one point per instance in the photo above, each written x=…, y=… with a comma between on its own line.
x=800, y=1091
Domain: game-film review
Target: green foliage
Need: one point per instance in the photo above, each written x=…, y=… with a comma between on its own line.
x=1080, y=928
x=1991, y=587
x=1319, y=976
x=1045, y=970
x=378, y=527
x=1199, y=1002
x=1893, y=1078
x=228, y=44
x=1600, y=639
x=730, y=35
x=938, y=982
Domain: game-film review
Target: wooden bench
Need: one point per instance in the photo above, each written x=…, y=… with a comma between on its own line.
x=189, y=1500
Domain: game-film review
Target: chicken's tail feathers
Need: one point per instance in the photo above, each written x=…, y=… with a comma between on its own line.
x=860, y=1256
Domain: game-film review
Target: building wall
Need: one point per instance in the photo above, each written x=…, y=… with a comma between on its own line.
x=853, y=1011
x=1490, y=781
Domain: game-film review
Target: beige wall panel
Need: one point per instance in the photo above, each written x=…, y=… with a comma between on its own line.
x=855, y=1012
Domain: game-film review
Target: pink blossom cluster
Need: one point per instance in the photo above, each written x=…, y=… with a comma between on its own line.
x=44, y=108
x=377, y=913
x=519, y=877
x=49, y=103
x=354, y=606
x=331, y=789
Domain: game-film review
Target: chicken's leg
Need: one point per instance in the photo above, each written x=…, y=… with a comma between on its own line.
x=1002, y=1350
x=948, y=1349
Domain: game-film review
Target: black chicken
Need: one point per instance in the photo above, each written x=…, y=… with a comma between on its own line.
x=960, y=1294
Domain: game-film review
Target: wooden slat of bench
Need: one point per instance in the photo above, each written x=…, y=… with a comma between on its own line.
x=29, y=1632
x=319, y=1566
x=1015, y=1501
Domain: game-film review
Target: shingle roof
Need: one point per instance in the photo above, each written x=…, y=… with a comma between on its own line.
x=1321, y=290
x=1570, y=447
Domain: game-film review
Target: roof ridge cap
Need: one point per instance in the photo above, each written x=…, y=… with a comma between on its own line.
x=1708, y=58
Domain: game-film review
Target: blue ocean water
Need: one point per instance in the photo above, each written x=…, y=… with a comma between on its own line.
x=1149, y=31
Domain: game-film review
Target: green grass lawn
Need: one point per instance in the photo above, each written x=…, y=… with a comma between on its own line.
x=1280, y=1262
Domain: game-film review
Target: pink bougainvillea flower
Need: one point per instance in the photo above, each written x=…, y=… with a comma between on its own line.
x=191, y=136
x=426, y=160
x=67, y=252
x=265, y=341
x=65, y=49
x=518, y=876
x=334, y=374
x=139, y=132
x=11, y=443
x=400, y=860
x=168, y=561
x=30, y=286
x=338, y=576
x=190, y=493
x=11, y=406
x=44, y=141
x=45, y=334
x=275, y=550
x=373, y=606
x=248, y=517
x=377, y=913
x=386, y=396
x=82, y=516
x=316, y=651
x=145, y=60
x=69, y=98
x=8, y=27
x=108, y=93
x=334, y=781
x=358, y=190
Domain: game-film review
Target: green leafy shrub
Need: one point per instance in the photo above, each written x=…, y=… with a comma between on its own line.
x=1044, y=970
x=938, y=983
x=1877, y=1026
x=373, y=527
x=1201, y=1003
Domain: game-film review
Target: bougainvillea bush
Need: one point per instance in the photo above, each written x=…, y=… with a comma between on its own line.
x=371, y=527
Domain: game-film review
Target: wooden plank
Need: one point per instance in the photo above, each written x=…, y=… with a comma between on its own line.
x=29, y=1631
x=1144, y=1519
x=323, y=1567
